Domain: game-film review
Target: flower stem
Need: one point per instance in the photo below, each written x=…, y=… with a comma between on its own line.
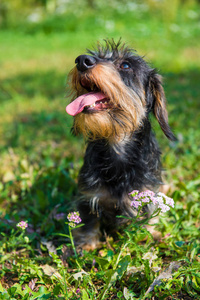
x=72, y=242
x=73, y=247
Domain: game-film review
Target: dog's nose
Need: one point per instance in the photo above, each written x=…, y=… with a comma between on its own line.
x=85, y=62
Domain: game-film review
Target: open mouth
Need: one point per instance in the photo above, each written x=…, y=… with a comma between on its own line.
x=90, y=102
x=97, y=105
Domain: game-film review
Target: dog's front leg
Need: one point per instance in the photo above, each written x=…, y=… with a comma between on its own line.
x=88, y=236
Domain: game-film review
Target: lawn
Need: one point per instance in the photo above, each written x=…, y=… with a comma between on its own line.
x=40, y=160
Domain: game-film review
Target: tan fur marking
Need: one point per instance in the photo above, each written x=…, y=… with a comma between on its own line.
x=160, y=104
x=129, y=107
x=89, y=241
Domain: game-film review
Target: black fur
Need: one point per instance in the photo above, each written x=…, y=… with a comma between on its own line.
x=120, y=169
x=111, y=171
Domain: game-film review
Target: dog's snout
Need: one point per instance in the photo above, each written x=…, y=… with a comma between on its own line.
x=85, y=62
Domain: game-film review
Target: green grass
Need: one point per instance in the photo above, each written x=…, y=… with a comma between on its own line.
x=40, y=160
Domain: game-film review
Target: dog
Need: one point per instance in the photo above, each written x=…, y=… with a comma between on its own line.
x=113, y=92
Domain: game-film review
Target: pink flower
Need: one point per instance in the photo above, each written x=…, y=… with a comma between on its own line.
x=147, y=193
x=74, y=218
x=136, y=204
x=163, y=207
x=134, y=193
x=23, y=225
x=164, y=202
x=160, y=200
x=59, y=216
x=169, y=201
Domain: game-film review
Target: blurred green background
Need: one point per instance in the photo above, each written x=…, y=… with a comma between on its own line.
x=39, y=41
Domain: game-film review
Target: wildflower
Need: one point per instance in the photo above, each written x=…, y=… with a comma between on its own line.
x=93, y=262
x=164, y=202
x=59, y=216
x=160, y=200
x=134, y=193
x=167, y=235
x=147, y=196
x=74, y=218
x=163, y=207
x=136, y=204
x=23, y=225
x=169, y=201
x=78, y=291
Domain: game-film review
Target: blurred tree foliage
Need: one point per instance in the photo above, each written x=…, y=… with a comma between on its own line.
x=15, y=12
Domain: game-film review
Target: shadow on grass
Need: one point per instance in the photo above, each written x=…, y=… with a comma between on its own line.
x=39, y=153
x=43, y=198
x=182, y=93
x=27, y=130
x=35, y=106
x=50, y=84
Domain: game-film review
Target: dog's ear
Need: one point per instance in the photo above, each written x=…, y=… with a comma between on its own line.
x=156, y=102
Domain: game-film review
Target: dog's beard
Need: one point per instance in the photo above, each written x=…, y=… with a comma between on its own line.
x=125, y=111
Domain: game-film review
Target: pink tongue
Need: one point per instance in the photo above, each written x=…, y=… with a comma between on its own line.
x=79, y=103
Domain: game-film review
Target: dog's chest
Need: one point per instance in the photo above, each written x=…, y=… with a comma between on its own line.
x=112, y=167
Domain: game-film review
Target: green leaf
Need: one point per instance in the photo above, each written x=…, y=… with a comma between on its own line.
x=12, y=291
x=122, y=266
x=120, y=294
x=1, y=288
x=103, y=262
x=85, y=295
x=195, y=283
x=179, y=243
x=42, y=293
x=57, y=289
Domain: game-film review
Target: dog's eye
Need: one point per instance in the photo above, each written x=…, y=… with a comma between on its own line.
x=125, y=66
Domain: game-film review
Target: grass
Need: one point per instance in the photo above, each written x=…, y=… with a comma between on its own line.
x=40, y=161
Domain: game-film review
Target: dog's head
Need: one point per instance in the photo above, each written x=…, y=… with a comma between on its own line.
x=113, y=91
